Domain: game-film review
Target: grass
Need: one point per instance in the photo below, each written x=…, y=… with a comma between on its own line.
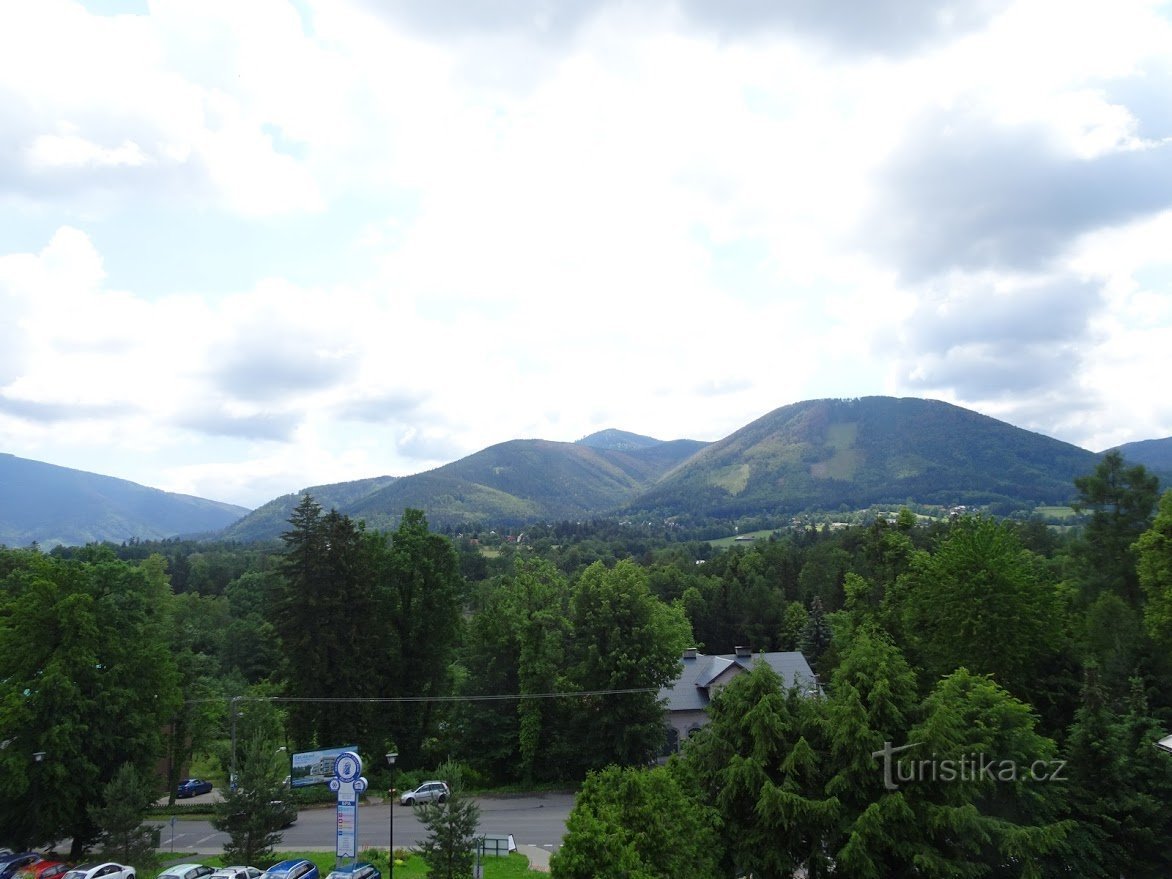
x=407, y=865
x=1056, y=512
x=732, y=479
x=731, y=541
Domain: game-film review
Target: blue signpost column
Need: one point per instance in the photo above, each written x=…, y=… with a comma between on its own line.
x=347, y=783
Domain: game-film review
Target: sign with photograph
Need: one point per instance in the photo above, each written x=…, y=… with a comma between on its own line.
x=316, y=767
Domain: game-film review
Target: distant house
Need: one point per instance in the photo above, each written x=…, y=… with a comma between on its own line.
x=701, y=677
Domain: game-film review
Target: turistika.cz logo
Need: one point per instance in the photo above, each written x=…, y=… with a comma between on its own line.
x=967, y=767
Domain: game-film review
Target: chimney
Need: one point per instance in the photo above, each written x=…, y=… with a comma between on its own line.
x=690, y=653
x=743, y=652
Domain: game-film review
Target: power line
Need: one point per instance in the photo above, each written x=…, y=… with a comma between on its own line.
x=400, y=699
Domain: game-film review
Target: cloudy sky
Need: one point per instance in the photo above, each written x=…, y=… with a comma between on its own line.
x=248, y=247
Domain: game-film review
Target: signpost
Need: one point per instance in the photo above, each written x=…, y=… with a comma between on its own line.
x=347, y=783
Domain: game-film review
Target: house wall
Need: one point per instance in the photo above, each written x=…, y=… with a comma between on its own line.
x=683, y=722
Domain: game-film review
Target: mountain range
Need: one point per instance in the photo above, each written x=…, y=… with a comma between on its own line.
x=816, y=455
x=50, y=505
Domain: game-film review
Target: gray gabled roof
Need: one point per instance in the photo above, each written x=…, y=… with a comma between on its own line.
x=690, y=691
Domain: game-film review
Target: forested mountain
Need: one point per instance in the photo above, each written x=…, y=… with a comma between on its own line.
x=817, y=455
x=1154, y=454
x=270, y=520
x=621, y=440
x=52, y=505
x=523, y=481
x=827, y=454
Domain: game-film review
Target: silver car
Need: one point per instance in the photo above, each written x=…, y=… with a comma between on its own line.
x=428, y=792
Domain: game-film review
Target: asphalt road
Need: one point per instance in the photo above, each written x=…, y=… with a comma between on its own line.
x=535, y=819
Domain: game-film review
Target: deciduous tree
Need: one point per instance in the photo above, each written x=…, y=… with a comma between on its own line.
x=86, y=680
x=979, y=601
x=639, y=822
x=623, y=639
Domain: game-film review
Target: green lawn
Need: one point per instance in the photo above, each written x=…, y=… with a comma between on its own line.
x=1056, y=512
x=407, y=866
x=725, y=542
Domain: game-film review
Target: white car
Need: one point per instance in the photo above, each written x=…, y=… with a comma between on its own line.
x=187, y=871
x=236, y=873
x=429, y=791
x=103, y=870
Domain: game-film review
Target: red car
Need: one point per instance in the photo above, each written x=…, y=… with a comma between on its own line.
x=43, y=870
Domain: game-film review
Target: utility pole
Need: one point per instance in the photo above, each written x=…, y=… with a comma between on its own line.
x=232, y=710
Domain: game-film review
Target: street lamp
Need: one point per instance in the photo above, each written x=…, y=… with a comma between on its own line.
x=391, y=821
x=232, y=709
x=38, y=759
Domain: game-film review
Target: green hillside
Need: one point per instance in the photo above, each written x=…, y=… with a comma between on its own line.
x=523, y=481
x=620, y=440
x=272, y=519
x=1155, y=455
x=513, y=483
x=829, y=454
x=814, y=456
x=52, y=505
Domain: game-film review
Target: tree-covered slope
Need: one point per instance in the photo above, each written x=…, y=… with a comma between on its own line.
x=827, y=454
x=52, y=505
x=524, y=481
x=620, y=440
x=272, y=519
x=1154, y=455
x=512, y=483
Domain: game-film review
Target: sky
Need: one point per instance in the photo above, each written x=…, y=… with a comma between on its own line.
x=251, y=247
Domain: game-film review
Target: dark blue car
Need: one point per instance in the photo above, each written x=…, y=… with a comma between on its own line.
x=191, y=787
x=9, y=864
x=359, y=870
x=298, y=868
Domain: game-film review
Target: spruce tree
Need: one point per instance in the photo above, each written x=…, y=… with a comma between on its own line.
x=450, y=848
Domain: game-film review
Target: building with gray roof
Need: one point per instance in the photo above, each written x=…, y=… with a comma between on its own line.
x=701, y=677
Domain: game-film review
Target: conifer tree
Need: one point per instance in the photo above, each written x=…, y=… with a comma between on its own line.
x=450, y=848
x=120, y=815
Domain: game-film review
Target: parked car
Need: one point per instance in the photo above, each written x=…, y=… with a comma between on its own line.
x=43, y=870
x=193, y=787
x=236, y=873
x=358, y=870
x=298, y=868
x=187, y=871
x=9, y=864
x=429, y=791
x=100, y=870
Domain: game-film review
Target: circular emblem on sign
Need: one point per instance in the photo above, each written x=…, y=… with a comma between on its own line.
x=347, y=767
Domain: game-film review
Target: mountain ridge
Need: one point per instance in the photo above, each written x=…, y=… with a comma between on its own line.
x=829, y=454
x=862, y=451
x=49, y=505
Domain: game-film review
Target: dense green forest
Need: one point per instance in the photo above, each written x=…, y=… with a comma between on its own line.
x=533, y=658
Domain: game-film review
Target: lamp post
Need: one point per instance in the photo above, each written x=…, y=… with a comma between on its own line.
x=38, y=759
x=232, y=710
x=391, y=821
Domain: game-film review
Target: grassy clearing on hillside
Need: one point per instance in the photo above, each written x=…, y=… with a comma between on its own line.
x=1056, y=512
x=732, y=479
x=725, y=542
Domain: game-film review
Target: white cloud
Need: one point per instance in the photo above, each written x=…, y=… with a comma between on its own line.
x=655, y=218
